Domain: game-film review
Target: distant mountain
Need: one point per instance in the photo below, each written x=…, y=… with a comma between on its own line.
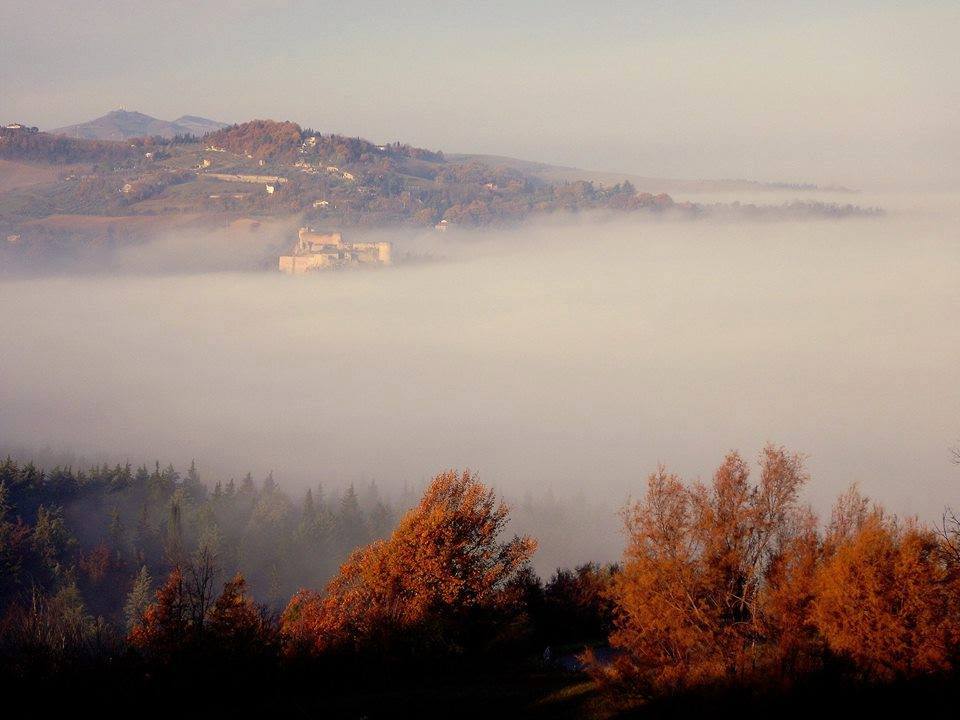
x=123, y=125
x=197, y=125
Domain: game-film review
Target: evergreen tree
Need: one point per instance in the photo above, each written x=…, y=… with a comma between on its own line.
x=120, y=477
x=144, y=531
x=349, y=527
x=275, y=596
x=14, y=539
x=192, y=484
x=138, y=599
x=50, y=539
x=118, y=533
x=173, y=542
x=309, y=513
x=247, y=487
x=269, y=484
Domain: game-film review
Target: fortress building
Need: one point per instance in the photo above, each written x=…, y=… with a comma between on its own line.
x=327, y=251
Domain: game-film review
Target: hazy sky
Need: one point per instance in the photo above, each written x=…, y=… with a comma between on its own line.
x=857, y=93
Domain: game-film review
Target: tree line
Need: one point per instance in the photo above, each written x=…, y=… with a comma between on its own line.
x=728, y=584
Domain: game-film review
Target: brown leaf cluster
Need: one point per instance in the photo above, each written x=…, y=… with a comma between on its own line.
x=734, y=581
x=445, y=560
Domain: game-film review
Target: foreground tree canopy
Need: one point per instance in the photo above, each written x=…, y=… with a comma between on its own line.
x=444, y=564
x=731, y=583
x=734, y=582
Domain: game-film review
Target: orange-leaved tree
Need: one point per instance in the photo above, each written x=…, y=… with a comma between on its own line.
x=164, y=626
x=185, y=617
x=794, y=645
x=445, y=562
x=236, y=623
x=886, y=594
x=689, y=602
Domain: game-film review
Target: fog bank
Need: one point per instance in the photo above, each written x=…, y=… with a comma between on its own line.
x=572, y=357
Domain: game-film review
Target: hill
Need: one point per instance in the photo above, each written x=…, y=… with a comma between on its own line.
x=125, y=124
x=197, y=126
x=105, y=193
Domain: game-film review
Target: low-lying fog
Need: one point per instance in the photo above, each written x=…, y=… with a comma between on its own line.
x=571, y=356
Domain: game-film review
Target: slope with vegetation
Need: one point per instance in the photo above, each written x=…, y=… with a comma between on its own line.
x=267, y=168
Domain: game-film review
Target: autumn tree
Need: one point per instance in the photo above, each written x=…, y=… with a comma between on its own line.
x=236, y=623
x=177, y=617
x=689, y=600
x=885, y=595
x=444, y=562
x=163, y=626
x=786, y=601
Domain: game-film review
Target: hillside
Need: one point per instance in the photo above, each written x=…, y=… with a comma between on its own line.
x=124, y=124
x=127, y=192
x=330, y=179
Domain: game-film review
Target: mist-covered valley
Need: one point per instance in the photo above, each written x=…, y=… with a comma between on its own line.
x=563, y=360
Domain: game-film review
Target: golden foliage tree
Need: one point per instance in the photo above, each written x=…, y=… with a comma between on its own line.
x=444, y=561
x=885, y=596
x=235, y=622
x=786, y=601
x=690, y=599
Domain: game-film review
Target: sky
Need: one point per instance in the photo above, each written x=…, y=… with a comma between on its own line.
x=855, y=93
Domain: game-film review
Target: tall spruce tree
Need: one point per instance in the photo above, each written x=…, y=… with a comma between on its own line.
x=138, y=598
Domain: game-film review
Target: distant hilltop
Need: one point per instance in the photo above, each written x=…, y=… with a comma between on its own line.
x=125, y=124
x=55, y=188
